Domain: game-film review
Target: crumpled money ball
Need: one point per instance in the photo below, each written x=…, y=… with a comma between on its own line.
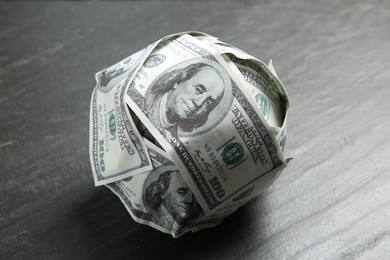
x=187, y=130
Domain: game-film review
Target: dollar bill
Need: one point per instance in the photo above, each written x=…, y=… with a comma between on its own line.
x=195, y=105
x=272, y=69
x=116, y=148
x=268, y=102
x=161, y=198
x=268, y=92
x=281, y=132
x=270, y=88
x=269, y=95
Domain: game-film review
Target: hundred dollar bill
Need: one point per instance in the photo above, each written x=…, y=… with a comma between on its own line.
x=271, y=85
x=272, y=100
x=161, y=198
x=281, y=132
x=224, y=48
x=266, y=98
x=268, y=92
x=194, y=104
x=116, y=148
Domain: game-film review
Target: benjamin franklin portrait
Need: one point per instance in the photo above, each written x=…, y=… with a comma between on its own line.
x=190, y=97
x=169, y=199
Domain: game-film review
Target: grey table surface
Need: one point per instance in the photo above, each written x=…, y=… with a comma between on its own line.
x=334, y=59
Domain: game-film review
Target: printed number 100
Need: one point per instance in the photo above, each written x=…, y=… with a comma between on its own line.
x=217, y=187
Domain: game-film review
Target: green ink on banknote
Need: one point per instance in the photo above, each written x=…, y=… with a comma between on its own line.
x=101, y=156
x=262, y=103
x=217, y=187
x=112, y=125
x=233, y=153
x=243, y=194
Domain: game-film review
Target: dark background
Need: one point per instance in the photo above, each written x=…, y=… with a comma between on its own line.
x=334, y=59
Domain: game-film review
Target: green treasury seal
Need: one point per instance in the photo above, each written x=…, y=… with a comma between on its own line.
x=233, y=153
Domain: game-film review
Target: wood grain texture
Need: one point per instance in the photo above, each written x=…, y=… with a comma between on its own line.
x=334, y=59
